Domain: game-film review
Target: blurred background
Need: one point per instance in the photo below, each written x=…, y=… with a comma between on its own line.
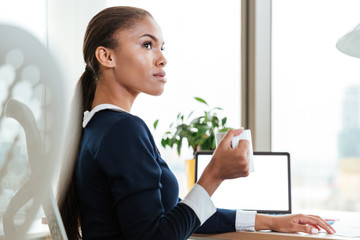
x=314, y=102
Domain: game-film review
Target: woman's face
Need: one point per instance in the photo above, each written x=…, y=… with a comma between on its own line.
x=139, y=61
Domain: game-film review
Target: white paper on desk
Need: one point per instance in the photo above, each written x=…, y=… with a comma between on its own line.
x=348, y=231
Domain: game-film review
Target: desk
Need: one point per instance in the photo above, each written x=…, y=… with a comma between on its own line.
x=347, y=220
x=260, y=235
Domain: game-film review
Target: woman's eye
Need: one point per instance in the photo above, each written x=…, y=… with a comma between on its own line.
x=162, y=48
x=147, y=45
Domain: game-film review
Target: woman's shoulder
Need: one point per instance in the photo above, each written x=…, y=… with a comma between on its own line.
x=110, y=116
x=115, y=120
x=125, y=130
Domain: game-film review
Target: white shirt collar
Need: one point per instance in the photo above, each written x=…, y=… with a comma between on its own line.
x=88, y=115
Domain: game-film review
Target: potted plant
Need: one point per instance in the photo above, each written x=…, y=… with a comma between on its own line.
x=199, y=131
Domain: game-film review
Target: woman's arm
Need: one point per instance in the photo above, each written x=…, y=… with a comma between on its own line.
x=228, y=163
x=128, y=159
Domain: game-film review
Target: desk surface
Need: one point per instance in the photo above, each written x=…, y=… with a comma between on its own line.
x=260, y=235
x=347, y=222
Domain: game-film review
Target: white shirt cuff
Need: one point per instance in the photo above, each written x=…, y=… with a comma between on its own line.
x=245, y=220
x=200, y=202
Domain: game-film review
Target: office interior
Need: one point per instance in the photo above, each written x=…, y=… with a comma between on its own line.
x=280, y=68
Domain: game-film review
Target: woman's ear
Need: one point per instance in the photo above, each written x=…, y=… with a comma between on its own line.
x=105, y=57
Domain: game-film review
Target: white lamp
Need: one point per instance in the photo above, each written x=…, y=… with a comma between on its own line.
x=350, y=43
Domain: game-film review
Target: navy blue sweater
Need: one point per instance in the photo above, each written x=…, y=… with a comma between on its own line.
x=126, y=190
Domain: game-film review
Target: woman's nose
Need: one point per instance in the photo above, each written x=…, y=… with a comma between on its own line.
x=161, y=61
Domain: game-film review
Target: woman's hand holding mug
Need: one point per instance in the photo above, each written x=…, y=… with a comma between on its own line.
x=226, y=163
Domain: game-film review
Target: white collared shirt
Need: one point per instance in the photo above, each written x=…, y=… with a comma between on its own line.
x=88, y=115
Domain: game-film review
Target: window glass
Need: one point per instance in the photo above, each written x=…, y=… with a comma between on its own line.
x=17, y=81
x=316, y=101
x=202, y=47
x=29, y=15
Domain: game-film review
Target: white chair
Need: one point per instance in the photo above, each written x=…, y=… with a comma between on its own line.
x=35, y=99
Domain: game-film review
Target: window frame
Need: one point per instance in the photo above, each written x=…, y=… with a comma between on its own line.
x=256, y=71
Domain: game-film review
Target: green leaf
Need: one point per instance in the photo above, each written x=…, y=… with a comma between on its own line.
x=215, y=121
x=201, y=142
x=163, y=142
x=206, y=118
x=179, y=146
x=207, y=144
x=156, y=123
x=218, y=108
x=172, y=141
x=201, y=100
x=223, y=121
x=213, y=142
x=182, y=130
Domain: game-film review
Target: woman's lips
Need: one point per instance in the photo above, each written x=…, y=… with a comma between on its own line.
x=161, y=76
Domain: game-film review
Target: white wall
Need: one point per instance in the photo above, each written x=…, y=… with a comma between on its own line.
x=67, y=22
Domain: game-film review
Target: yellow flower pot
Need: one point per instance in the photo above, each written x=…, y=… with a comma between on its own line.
x=190, y=172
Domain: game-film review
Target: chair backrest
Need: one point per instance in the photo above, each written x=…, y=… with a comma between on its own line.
x=34, y=97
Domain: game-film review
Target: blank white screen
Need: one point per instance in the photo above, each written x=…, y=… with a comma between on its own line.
x=265, y=189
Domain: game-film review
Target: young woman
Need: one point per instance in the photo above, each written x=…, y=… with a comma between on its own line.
x=122, y=186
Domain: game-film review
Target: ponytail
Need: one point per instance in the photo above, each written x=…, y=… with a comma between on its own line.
x=88, y=87
x=67, y=194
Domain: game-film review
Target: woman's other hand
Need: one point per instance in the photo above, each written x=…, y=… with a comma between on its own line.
x=226, y=163
x=292, y=223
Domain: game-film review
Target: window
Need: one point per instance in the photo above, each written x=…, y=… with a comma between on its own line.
x=30, y=16
x=202, y=41
x=316, y=101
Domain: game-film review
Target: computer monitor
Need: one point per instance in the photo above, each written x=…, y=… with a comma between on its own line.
x=266, y=190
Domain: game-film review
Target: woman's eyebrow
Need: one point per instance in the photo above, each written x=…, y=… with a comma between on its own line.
x=150, y=36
